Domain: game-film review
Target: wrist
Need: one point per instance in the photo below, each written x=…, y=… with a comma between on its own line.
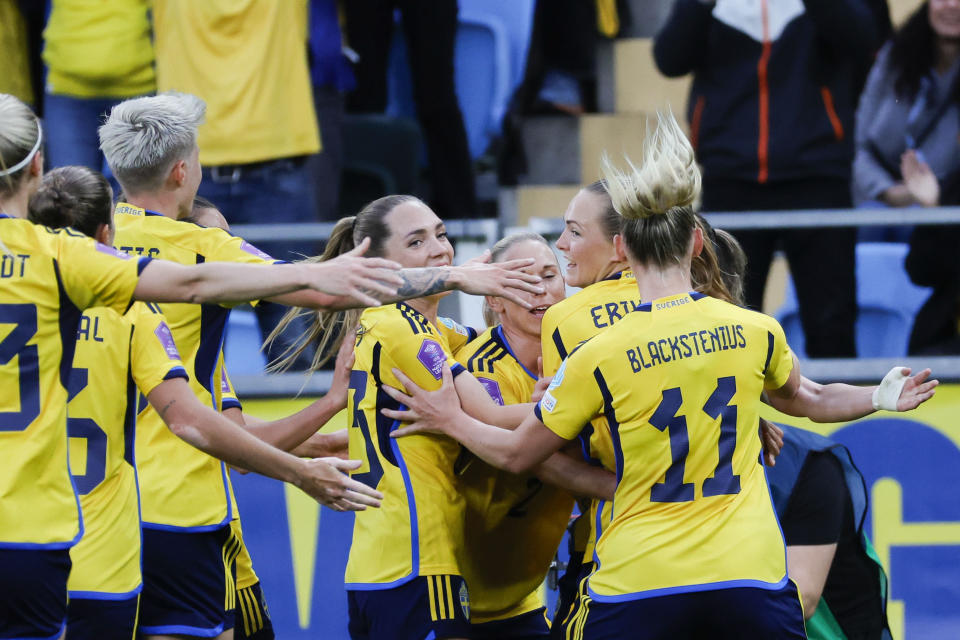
x=297, y=471
x=455, y=277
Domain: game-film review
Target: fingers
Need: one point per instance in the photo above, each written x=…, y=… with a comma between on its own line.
x=342, y=465
x=409, y=385
x=524, y=284
x=920, y=377
x=409, y=430
x=507, y=294
x=446, y=374
x=397, y=395
x=403, y=416
x=360, y=249
x=361, y=497
x=539, y=366
x=387, y=265
x=519, y=263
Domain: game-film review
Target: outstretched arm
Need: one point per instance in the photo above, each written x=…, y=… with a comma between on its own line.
x=205, y=429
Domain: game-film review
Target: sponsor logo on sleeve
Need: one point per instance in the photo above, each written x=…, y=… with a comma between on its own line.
x=110, y=251
x=252, y=250
x=453, y=325
x=432, y=356
x=493, y=389
x=166, y=339
x=548, y=403
x=558, y=376
x=224, y=385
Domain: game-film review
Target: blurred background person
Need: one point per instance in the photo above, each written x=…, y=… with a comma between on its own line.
x=248, y=61
x=430, y=29
x=771, y=115
x=911, y=102
x=97, y=54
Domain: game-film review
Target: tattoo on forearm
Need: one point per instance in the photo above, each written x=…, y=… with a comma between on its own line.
x=166, y=407
x=423, y=281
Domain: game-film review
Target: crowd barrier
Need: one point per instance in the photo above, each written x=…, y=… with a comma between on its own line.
x=911, y=463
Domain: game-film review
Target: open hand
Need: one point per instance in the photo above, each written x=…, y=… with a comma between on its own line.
x=916, y=390
x=429, y=411
x=326, y=481
x=366, y=280
x=772, y=437
x=919, y=179
x=504, y=279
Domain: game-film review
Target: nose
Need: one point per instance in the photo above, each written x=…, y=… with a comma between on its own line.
x=562, y=244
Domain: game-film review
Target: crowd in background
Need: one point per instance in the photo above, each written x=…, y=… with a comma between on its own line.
x=840, y=111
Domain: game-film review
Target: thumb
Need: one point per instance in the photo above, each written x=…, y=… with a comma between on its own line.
x=360, y=249
x=447, y=374
x=539, y=366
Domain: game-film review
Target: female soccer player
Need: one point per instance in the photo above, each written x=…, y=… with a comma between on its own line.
x=513, y=523
x=47, y=278
x=403, y=575
x=678, y=382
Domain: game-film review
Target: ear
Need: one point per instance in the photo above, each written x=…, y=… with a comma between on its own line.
x=697, y=241
x=619, y=248
x=36, y=164
x=495, y=303
x=178, y=173
x=104, y=234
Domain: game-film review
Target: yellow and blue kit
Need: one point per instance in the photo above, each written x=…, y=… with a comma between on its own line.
x=47, y=279
x=457, y=335
x=193, y=494
x=677, y=384
x=129, y=354
x=411, y=545
x=514, y=523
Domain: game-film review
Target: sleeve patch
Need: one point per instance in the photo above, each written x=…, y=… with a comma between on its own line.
x=548, y=403
x=432, y=356
x=252, y=250
x=558, y=376
x=493, y=389
x=166, y=339
x=453, y=325
x=110, y=251
x=224, y=384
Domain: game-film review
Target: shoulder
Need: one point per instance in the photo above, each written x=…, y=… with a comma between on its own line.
x=561, y=311
x=477, y=344
x=483, y=354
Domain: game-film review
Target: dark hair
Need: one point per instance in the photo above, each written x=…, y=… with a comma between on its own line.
x=75, y=197
x=913, y=53
x=718, y=270
x=609, y=218
x=327, y=328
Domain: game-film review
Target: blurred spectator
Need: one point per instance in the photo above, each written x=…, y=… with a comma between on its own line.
x=911, y=102
x=249, y=62
x=430, y=30
x=14, y=64
x=771, y=113
x=934, y=261
x=331, y=76
x=97, y=55
x=821, y=501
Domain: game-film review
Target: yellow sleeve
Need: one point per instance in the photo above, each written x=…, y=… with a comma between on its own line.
x=573, y=397
x=95, y=275
x=219, y=246
x=779, y=361
x=550, y=344
x=228, y=397
x=421, y=358
x=153, y=353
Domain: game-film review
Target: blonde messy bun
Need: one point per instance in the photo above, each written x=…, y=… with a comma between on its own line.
x=668, y=176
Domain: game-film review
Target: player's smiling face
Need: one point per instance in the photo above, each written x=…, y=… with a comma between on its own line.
x=587, y=249
x=418, y=237
x=517, y=318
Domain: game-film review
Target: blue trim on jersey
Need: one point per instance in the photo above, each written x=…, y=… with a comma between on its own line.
x=142, y=264
x=690, y=588
x=537, y=412
x=431, y=636
x=156, y=526
x=613, y=276
x=148, y=212
x=63, y=625
x=3, y=215
x=457, y=369
x=103, y=595
x=770, y=342
x=183, y=630
x=176, y=372
x=696, y=295
x=499, y=331
x=598, y=528
x=773, y=507
x=230, y=403
x=611, y=417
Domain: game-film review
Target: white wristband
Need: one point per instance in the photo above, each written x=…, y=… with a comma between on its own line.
x=887, y=393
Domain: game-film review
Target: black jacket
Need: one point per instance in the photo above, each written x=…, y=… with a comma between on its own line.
x=773, y=94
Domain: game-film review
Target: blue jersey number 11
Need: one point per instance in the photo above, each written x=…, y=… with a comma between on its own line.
x=666, y=417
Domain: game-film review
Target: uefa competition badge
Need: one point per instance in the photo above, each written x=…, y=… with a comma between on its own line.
x=432, y=356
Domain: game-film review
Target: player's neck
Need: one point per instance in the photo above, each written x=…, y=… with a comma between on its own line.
x=16, y=205
x=654, y=282
x=525, y=347
x=427, y=306
x=613, y=268
x=163, y=203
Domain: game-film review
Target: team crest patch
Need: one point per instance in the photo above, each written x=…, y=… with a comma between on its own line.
x=493, y=389
x=252, y=250
x=110, y=251
x=432, y=356
x=465, y=600
x=166, y=339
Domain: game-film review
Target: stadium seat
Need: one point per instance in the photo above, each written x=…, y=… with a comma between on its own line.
x=886, y=299
x=242, y=344
x=488, y=64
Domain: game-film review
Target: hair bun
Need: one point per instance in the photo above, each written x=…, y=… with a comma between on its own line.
x=667, y=178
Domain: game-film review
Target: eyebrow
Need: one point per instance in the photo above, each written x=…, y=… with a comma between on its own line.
x=423, y=230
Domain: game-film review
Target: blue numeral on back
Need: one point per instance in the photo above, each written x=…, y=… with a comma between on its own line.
x=673, y=488
x=371, y=477
x=24, y=317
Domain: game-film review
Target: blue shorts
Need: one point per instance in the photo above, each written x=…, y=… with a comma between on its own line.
x=189, y=582
x=95, y=619
x=718, y=614
x=252, y=620
x=33, y=592
x=425, y=608
x=527, y=626
x=573, y=589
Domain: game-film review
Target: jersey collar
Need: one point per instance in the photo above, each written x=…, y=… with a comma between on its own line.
x=662, y=304
x=134, y=210
x=498, y=330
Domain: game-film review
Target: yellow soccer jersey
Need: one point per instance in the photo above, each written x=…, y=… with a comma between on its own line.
x=418, y=530
x=678, y=384
x=514, y=523
x=116, y=356
x=457, y=335
x=46, y=280
x=182, y=487
x=566, y=325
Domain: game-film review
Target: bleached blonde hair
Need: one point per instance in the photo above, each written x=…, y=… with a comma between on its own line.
x=143, y=137
x=20, y=139
x=655, y=199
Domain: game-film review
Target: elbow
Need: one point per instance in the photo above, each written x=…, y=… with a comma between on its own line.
x=810, y=602
x=514, y=462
